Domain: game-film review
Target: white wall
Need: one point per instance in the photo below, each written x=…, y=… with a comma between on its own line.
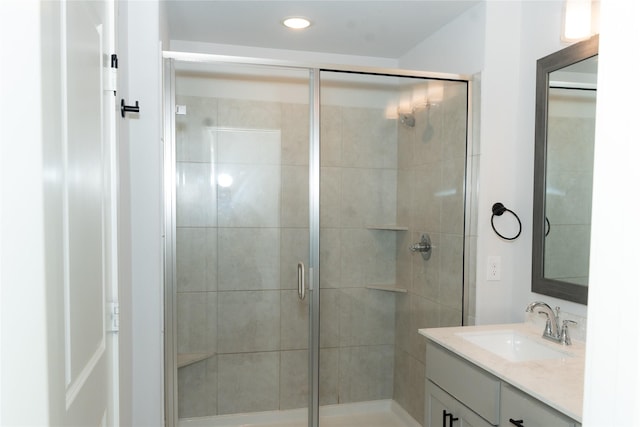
x=612, y=379
x=24, y=395
x=541, y=27
x=143, y=65
x=457, y=48
x=502, y=41
x=282, y=55
x=125, y=334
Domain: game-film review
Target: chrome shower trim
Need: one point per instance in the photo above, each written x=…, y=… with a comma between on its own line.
x=314, y=250
x=471, y=199
x=170, y=277
x=217, y=59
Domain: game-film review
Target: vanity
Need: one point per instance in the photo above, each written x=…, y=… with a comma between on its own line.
x=501, y=375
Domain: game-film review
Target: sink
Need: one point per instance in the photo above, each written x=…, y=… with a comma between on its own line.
x=512, y=345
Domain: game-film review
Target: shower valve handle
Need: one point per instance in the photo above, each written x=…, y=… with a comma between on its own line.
x=423, y=247
x=420, y=247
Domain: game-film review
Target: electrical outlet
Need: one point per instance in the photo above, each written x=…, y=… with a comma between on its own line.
x=494, y=268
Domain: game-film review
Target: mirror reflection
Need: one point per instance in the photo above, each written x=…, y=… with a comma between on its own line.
x=563, y=171
x=569, y=174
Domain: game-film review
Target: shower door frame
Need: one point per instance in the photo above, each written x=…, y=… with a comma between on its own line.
x=169, y=187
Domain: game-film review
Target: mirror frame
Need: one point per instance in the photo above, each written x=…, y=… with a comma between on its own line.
x=545, y=66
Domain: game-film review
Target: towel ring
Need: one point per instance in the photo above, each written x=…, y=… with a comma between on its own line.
x=498, y=209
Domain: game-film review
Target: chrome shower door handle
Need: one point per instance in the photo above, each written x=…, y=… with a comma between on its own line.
x=301, y=286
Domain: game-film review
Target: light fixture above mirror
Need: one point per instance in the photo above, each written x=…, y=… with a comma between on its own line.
x=580, y=20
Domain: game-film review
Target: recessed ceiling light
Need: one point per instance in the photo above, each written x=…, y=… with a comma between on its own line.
x=296, y=22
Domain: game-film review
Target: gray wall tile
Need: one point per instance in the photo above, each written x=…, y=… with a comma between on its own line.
x=194, y=141
x=366, y=373
x=196, y=195
x=253, y=199
x=294, y=211
x=295, y=134
x=249, y=258
x=198, y=389
x=294, y=247
x=294, y=321
x=248, y=382
x=196, y=259
x=294, y=381
x=192, y=322
x=251, y=321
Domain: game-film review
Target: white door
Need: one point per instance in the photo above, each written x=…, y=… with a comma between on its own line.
x=89, y=227
x=57, y=214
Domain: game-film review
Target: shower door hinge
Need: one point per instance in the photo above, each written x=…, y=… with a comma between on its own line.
x=111, y=75
x=113, y=317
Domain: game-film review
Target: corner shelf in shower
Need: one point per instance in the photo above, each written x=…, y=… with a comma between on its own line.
x=387, y=288
x=389, y=227
x=186, y=359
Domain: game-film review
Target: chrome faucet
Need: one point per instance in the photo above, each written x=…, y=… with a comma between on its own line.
x=551, y=330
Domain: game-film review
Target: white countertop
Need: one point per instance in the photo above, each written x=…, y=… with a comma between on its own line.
x=558, y=383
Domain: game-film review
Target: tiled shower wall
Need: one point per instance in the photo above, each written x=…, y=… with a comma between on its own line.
x=238, y=247
x=431, y=198
x=237, y=250
x=358, y=189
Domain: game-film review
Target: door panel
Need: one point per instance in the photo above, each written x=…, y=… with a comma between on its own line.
x=84, y=284
x=88, y=212
x=392, y=168
x=239, y=224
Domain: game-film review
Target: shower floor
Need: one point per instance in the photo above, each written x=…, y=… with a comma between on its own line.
x=380, y=413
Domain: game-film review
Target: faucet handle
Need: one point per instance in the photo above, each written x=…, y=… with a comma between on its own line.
x=564, y=335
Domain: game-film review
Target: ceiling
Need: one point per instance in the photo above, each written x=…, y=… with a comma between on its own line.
x=386, y=29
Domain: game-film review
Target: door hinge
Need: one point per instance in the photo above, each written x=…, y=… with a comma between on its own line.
x=111, y=75
x=113, y=317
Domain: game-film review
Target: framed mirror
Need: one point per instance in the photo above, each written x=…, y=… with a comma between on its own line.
x=563, y=171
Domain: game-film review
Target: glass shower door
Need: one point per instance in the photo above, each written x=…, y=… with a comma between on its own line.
x=241, y=209
x=342, y=172
x=393, y=158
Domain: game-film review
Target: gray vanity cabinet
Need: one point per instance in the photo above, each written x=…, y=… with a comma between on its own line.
x=445, y=411
x=520, y=409
x=461, y=394
x=461, y=388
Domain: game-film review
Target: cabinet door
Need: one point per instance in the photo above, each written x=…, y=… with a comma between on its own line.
x=443, y=410
x=521, y=410
x=437, y=412
x=463, y=380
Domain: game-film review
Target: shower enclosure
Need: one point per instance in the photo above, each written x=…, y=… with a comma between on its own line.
x=293, y=196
